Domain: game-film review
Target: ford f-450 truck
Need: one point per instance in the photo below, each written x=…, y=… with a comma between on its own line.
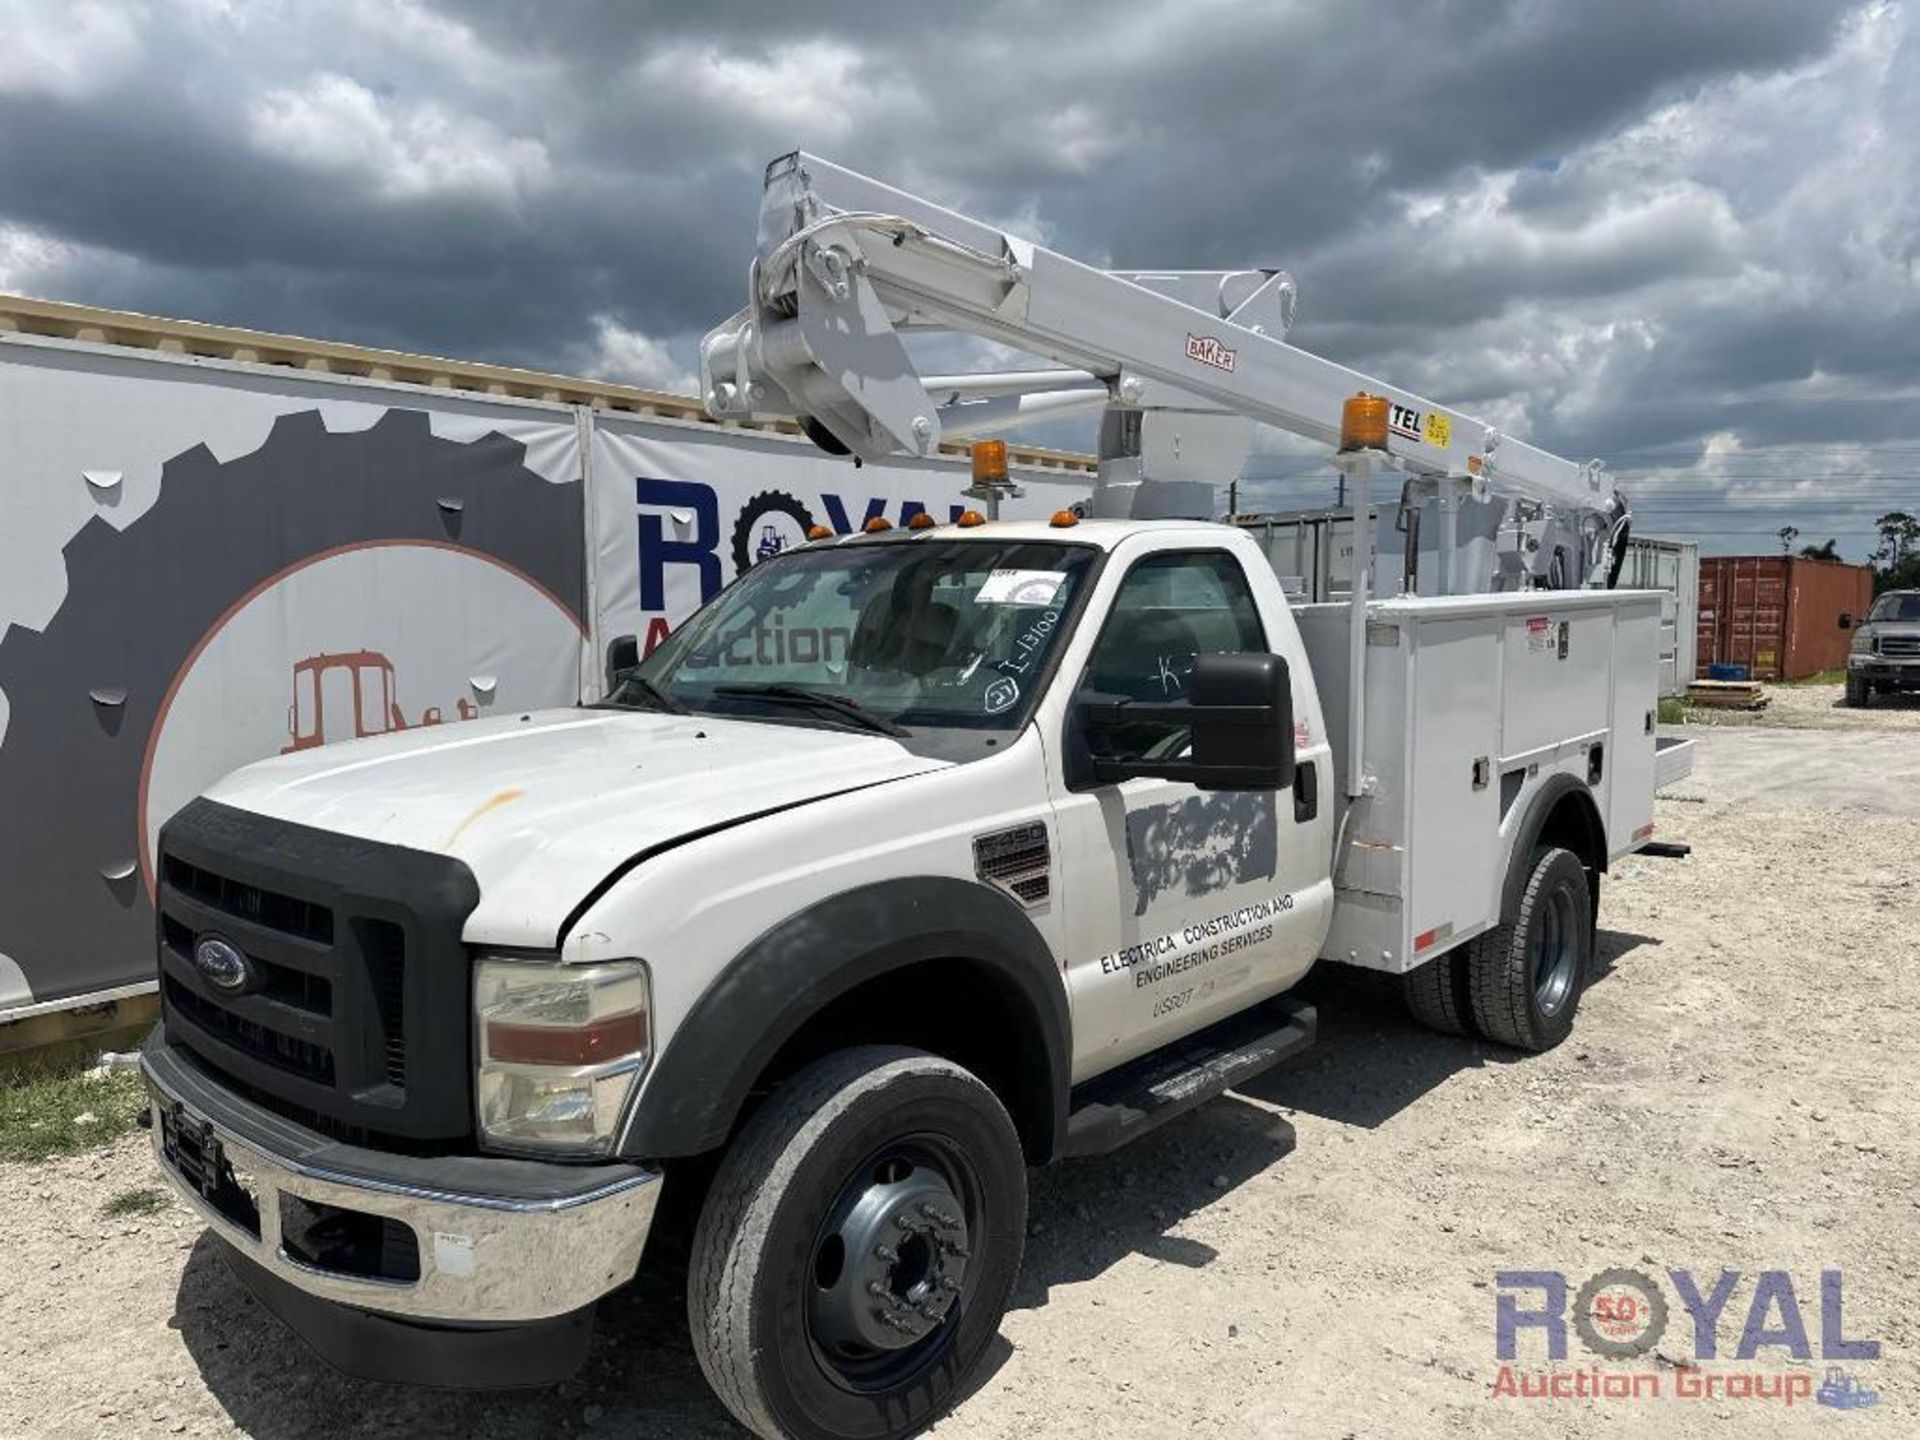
x=916, y=858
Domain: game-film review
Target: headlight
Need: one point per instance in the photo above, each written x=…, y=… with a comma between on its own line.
x=1863, y=642
x=561, y=1048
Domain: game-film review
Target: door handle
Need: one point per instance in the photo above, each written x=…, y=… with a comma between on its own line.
x=1306, y=792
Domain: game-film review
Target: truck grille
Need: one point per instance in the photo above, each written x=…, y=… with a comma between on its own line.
x=296, y=1057
x=1904, y=645
x=250, y=902
x=352, y=1017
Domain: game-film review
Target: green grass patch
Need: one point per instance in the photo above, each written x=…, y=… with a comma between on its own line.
x=63, y=1112
x=1673, y=710
x=1823, y=677
x=130, y=1203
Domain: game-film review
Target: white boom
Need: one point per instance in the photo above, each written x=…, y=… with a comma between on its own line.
x=845, y=264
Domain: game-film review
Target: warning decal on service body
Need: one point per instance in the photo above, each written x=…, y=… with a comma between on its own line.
x=1020, y=587
x=1539, y=634
x=1201, y=943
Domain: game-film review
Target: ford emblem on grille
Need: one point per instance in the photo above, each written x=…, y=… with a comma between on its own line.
x=221, y=962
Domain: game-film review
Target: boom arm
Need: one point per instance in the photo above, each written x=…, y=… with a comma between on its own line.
x=846, y=263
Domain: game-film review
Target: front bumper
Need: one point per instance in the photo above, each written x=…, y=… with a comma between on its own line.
x=468, y=1243
x=1897, y=674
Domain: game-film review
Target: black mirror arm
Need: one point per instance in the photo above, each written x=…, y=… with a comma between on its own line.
x=1106, y=714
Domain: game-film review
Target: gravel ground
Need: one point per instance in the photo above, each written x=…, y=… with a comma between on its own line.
x=1313, y=1257
x=1818, y=707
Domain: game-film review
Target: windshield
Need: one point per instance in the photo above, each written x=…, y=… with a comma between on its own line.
x=909, y=632
x=1904, y=606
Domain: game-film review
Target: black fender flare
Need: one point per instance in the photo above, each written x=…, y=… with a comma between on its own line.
x=1548, y=798
x=702, y=1079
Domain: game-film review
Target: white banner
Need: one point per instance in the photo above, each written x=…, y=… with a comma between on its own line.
x=681, y=509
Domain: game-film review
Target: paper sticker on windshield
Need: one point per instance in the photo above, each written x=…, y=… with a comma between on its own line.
x=1021, y=587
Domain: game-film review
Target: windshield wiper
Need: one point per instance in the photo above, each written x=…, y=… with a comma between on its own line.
x=782, y=692
x=659, y=698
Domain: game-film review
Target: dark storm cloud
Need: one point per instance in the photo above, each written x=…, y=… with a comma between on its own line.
x=1611, y=226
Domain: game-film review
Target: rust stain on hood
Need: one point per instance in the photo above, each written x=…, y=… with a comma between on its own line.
x=493, y=802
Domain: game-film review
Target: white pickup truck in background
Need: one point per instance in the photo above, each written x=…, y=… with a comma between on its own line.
x=915, y=857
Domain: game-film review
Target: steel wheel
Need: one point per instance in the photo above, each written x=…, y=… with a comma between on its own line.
x=890, y=1264
x=1557, y=953
x=857, y=1247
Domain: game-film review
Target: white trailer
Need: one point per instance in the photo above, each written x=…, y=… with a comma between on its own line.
x=1656, y=562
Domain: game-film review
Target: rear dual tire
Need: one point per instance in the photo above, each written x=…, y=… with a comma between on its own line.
x=1436, y=994
x=1520, y=983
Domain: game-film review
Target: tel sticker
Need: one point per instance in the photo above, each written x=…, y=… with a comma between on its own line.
x=1021, y=587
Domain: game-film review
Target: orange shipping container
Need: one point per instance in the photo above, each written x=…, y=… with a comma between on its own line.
x=1779, y=615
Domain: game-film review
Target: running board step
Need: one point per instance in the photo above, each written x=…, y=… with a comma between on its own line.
x=1143, y=1095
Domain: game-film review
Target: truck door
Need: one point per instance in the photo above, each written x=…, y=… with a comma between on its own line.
x=1182, y=905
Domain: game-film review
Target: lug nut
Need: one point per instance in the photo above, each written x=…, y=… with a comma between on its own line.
x=886, y=1253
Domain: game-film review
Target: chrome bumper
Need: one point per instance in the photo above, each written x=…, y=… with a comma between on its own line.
x=482, y=1259
x=1886, y=666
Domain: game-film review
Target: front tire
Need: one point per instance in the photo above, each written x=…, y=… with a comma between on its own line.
x=1859, y=693
x=1526, y=977
x=858, y=1248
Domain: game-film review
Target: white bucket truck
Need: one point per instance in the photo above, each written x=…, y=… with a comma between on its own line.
x=916, y=857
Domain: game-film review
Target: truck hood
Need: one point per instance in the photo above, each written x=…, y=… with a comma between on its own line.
x=543, y=807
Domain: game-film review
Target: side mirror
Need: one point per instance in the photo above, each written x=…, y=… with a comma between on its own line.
x=623, y=658
x=1846, y=620
x=1239, y=719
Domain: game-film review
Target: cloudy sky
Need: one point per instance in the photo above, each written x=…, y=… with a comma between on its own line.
x=1683, y=235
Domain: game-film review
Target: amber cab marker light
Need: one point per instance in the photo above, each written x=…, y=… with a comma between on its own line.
x=967, y=519
x=876, y=525
x=1363, y=422
x=1064, y=520
x=819, y=532
x=922, y=521
x=989, y=461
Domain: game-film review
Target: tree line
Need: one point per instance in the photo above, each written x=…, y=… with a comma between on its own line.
x=1896, y=564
